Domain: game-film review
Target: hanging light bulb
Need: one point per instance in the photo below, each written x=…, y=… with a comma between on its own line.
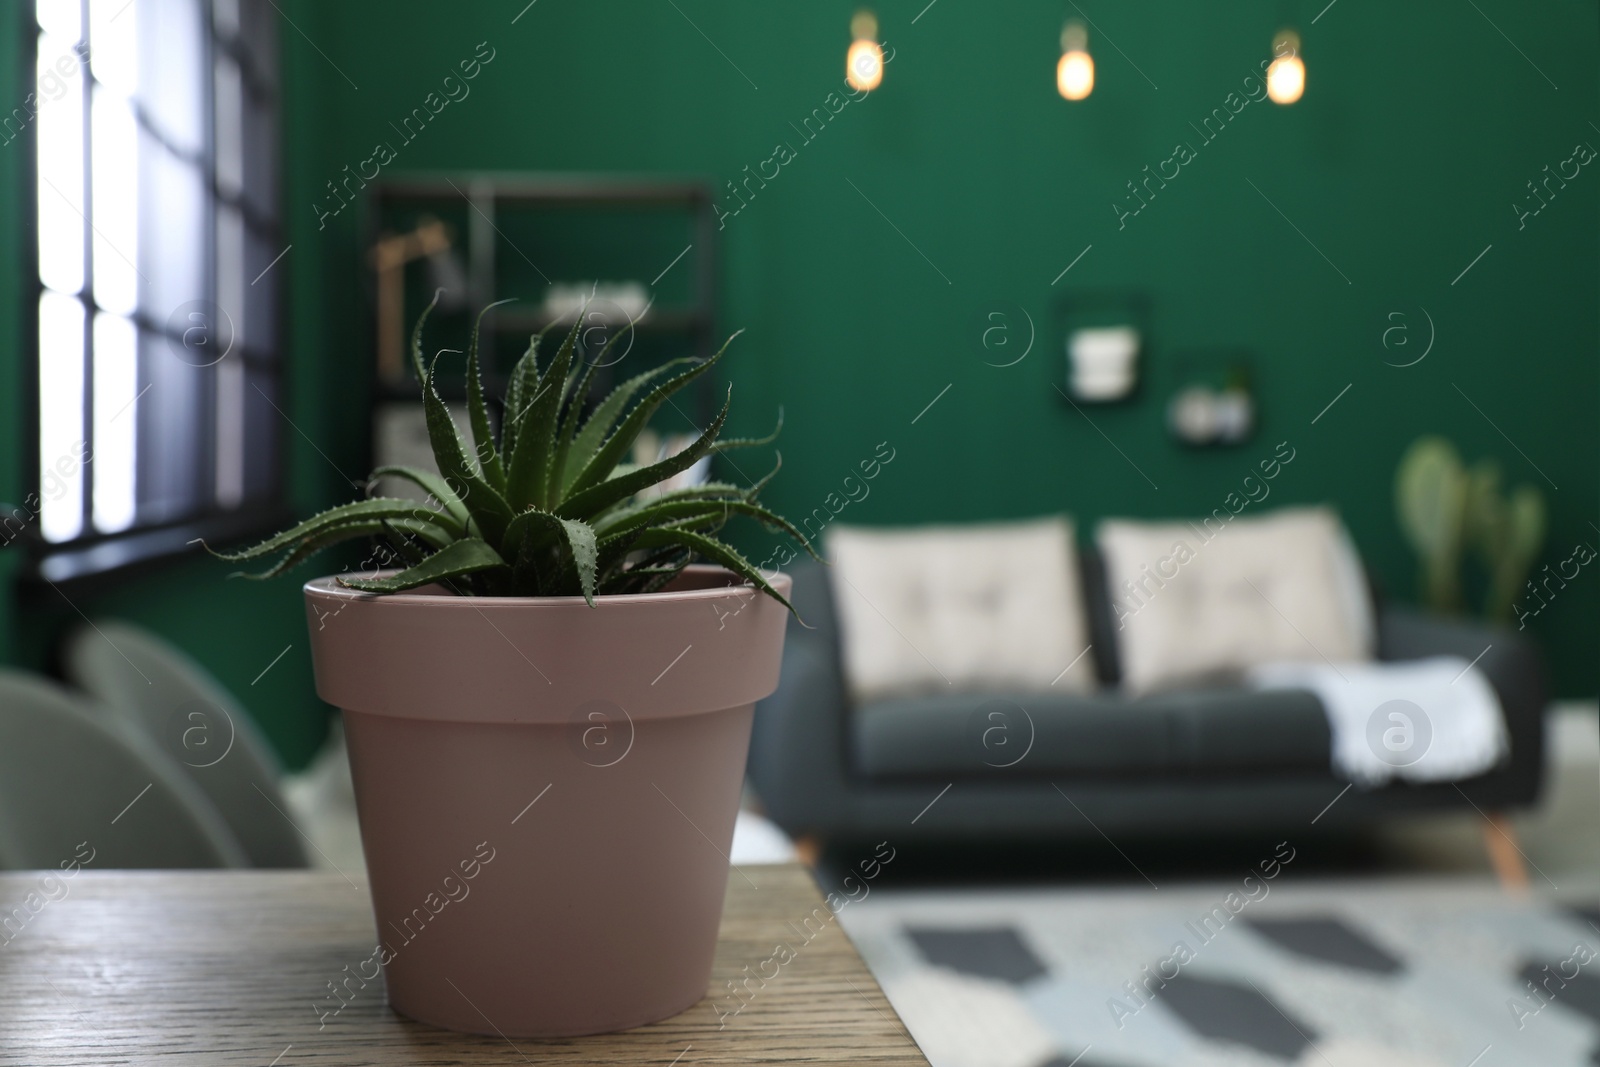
x=1286, y=77
x=1075, y=72
x=863, y=64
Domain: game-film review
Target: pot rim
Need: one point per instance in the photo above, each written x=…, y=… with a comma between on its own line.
x=327, y=586
x=381, y=653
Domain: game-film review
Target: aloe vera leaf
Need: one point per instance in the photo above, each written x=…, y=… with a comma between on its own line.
x=478, y=412
x=594, y=500
x=617, y=445
x=471, y=555
x=430, y=483
x=528, y=477
x=487, y=507
x=714, y=550
x=374, y=508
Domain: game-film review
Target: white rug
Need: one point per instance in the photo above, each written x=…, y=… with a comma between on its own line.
x=1425, y=969
x=1419, y=974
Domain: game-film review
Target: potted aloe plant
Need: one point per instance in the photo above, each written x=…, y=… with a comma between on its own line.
x=548, y=707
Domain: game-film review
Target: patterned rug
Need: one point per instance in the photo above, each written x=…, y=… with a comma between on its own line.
x=1260, y=972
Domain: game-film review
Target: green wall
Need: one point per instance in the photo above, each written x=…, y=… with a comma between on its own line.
x=865, y=271
x=1419, y=127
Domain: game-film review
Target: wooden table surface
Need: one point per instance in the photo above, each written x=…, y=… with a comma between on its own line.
x=228, y=967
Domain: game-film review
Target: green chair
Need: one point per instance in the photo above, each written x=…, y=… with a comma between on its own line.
x=74, y=785
x=156, y=689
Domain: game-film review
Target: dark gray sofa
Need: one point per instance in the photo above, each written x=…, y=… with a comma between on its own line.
x=1202, y=760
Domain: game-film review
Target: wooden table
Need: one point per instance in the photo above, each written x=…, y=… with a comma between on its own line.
x=227, y=967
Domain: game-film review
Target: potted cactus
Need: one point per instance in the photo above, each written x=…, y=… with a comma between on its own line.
x=1445, y=508
x=548, y=706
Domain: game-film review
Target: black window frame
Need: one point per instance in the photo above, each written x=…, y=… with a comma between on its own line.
x=92, y=554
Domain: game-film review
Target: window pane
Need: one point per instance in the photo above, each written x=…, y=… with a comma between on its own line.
x=258, y=33
x=114, y=179
x=116, y=376
x=59, y=17
x=228, y=122
x=260, y=158
x=177, y=428
x=177, y=78
x=113, y=43
x=172, y=254
x=59, y=59
x=231, y=282
x=61, y=442
x=174, y=453
x=60, y=194
x=225, y=17
x=230, y=432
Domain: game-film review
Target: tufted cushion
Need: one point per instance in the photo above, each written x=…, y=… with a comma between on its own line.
x=960, y=608
x=1202, y=601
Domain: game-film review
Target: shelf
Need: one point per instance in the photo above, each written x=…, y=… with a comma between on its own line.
x=598, y=242
x=541, y=189
x=654, y=322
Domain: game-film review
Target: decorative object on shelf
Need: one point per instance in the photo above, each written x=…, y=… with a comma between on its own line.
x=1202, y=415
x=1075, y=71
x=1286, y=77
x=1102, y=362
x=614, y=303
x=1446, y=509
x=483, y=677
x=1104, y=337
x=863, y=63
x=432, y=241
x=1215, y=405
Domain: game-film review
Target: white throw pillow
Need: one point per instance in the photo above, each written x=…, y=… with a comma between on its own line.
x=1199, y=601
x=994, y=606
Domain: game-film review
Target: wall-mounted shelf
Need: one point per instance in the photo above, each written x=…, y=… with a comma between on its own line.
x=510, y=320
x=487, y=236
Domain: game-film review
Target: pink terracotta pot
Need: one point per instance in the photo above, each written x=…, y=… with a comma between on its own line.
x=547, y=791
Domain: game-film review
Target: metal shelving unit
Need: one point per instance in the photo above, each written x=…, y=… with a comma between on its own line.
x=494, y=240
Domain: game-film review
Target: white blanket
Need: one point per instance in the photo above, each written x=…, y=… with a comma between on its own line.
x=1426, y=720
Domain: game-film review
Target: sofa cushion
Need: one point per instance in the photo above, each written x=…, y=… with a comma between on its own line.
x=1203, y=601
x=968, y=608
x=1193, y=732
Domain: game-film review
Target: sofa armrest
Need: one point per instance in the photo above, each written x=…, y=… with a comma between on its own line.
x=1511, y=662
x=797, y=743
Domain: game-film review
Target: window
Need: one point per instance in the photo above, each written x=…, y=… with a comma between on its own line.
x=158, y=241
